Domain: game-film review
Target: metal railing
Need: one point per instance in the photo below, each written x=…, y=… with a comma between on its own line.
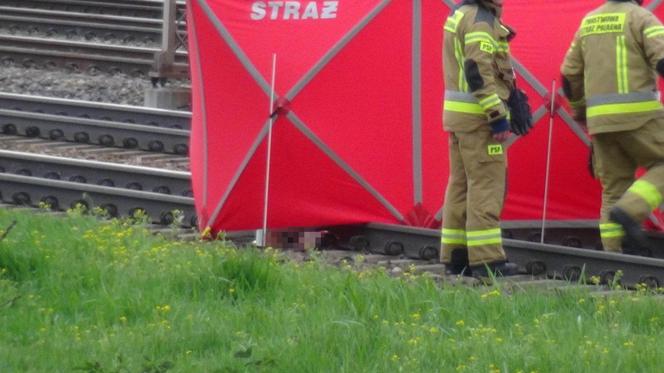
x=173, y=38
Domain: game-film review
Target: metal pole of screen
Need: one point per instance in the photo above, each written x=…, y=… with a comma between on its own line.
x=548, y=159
x=262, y=237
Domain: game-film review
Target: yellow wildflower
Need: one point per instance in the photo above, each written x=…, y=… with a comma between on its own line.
x=492, y=293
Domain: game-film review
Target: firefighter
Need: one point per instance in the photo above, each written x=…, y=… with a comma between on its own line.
x=610, y=80
x=478, y=81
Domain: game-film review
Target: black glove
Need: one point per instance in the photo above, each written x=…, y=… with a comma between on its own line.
x=521, y=120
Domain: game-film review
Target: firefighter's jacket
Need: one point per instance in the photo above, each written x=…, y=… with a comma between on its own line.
x=477, y=68
x=610, y=70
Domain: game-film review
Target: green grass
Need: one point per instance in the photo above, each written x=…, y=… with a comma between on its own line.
x=77, y=295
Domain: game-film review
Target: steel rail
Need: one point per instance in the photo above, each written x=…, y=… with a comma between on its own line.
x=94, y=172
x=95, y=152
x=142, y=2
x=83, y=24
x=534, y=258
x=134, y=8
x=81, y=56
x=96, y=110
x=58, y=195
x=93, y=131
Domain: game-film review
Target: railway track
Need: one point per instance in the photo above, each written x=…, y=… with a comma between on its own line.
x=94, y=152
x=165, y=197
x=76, y=56
x=133, y=8
x=71, y=24
x=95, y=123
x=395, y=266
x=534, y=259
x=119, y=190
x=96, y=110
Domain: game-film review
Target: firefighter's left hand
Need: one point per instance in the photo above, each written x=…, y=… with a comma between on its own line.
x=502, y=136
x=500, y=129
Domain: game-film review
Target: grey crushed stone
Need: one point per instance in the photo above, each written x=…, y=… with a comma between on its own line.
x=78, y=151
x=118, y=88
x=79, y=38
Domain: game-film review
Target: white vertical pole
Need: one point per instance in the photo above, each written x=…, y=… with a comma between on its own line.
x=548, y=159
x=269, y=151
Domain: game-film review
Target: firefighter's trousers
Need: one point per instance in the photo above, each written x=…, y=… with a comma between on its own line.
x=617, y=155
x=474, y=198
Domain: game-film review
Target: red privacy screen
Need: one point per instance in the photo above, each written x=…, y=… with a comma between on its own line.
x=357, y=128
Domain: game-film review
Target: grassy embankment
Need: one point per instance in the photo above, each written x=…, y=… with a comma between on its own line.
x=77, y=295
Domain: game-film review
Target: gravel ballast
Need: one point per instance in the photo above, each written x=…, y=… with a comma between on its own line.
x=117, y=88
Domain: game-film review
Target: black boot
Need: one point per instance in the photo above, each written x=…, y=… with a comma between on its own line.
x=496, y=268
x=634, y=236
x=459, y=263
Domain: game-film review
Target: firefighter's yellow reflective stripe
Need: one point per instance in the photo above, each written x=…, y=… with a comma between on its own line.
x=453, y=241
x=485, y=232
x=609, y=226
x=453, y=236
x=453, y=21
x=627, y=108
x=484, y=237
x=490, y=101
x=658, y=33
x=503, y=47
x=463, y=107
x=449, y=26
x=648, y=192
x=621, y=65
x=479, y=36
x=653, y=31
x=612, y=234
x=603, y=24
x=458, y=53
x=488, y=241
x=611, y=230
x=487, y=43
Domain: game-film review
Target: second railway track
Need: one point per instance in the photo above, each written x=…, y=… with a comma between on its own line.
x=96, y=110
x=132, y=8
x=76, y=56
x=71, y=24
x=128, y=127
x=119, y=190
